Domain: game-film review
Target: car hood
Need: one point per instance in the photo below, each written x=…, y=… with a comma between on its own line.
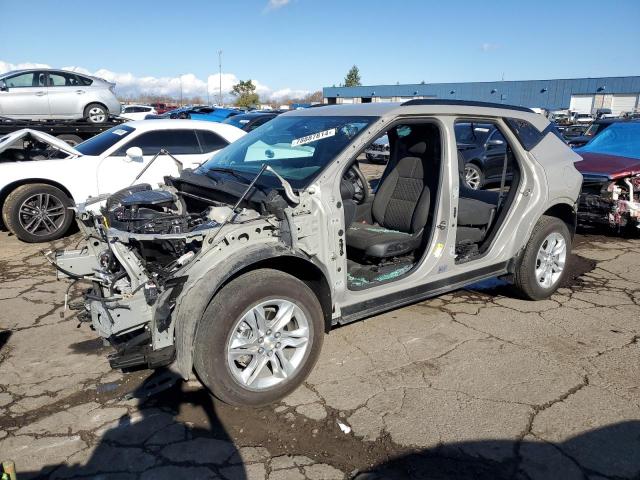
x=12, y=138
x=612, y=166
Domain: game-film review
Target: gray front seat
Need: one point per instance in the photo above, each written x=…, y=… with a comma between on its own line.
x=400, y=210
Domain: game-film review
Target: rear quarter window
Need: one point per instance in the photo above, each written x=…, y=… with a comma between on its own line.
x=528, y=135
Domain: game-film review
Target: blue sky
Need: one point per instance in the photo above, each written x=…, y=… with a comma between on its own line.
x=303, y=45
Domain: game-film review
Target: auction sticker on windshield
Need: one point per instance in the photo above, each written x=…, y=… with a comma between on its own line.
x=313, y=137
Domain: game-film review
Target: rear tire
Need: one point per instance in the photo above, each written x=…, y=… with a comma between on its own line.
x=96, y=113
x=230, y=325
x=543, y=264
x=473, y=176
x=37, y=212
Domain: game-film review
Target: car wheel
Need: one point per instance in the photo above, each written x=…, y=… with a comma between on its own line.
x=542, y=265
x=369, y=157
x=96, y=113
x=256, y=348
x=473, y=176
x=72, y=140
x=37, y=213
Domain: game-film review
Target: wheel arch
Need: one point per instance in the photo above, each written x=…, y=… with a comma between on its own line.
x=95, y=102
x=7, y=189
x=200, y=293
x=565, y=212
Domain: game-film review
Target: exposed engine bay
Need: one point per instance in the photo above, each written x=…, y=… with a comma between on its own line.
x=144, y=241
x=612, y=202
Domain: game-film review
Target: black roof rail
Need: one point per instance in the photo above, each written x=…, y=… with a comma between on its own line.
x=464, y=103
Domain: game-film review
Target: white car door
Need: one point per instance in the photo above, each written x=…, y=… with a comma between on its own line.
x=117, y=170
x=24, y=96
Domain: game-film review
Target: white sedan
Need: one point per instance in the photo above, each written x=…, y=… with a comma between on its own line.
x=37, y=188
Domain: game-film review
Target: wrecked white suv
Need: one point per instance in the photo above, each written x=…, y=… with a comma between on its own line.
x=237, y=269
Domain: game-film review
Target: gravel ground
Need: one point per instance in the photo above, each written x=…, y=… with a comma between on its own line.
x=474, y=384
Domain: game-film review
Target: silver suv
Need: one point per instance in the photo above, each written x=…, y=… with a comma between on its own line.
x=44, y=94
x=239, y=268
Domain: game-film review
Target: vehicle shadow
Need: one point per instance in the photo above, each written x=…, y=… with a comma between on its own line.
x=5, y=335
x=151, y=442
x=609, y=452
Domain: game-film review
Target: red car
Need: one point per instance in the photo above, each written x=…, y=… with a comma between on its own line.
x=610, y=169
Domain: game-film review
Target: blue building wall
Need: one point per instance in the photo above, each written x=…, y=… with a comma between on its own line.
x=549, y=94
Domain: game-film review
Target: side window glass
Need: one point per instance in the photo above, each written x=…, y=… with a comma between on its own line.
x=21, y=81
x=176, y=142
x=84, y=80
x=483, y=152
x=528, y=135
x=210, y=141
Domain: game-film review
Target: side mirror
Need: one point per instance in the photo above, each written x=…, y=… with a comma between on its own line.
x=3, y=86
x=134, y=153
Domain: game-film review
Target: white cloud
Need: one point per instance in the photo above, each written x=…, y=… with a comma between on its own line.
x=487, y=47
x=275, y=4
x=130, y=85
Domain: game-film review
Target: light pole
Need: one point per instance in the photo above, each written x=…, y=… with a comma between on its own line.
x=220, y=77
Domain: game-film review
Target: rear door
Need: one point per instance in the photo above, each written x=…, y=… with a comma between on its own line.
x=25, y=96
x=117, y=170
x=65, y=94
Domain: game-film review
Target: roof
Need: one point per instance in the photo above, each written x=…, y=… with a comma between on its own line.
x=173, y=124
x=422, y=107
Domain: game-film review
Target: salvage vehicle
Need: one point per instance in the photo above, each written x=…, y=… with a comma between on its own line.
x=611, y=170
x=238, y=268
x=41, y=176
x=378, y=151
x=44, y=94
x=594, y=129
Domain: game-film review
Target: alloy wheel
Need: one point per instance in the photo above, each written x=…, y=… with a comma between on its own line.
x=41, y=214
x=268, y=344
x=550, y=260
x=472, y=177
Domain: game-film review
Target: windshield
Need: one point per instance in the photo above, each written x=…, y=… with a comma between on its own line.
x=101, y=143
x=297, y=147
x=622, y=139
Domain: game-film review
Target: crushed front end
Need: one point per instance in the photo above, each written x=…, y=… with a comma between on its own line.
x=607, y=201
x=139, y=247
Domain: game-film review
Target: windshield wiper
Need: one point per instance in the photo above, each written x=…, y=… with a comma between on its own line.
x=230, y=171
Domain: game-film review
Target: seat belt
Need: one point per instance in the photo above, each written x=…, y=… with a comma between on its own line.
x=503, y=179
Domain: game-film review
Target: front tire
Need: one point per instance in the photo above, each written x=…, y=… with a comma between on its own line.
x=96, y=113
x=37, y=212
x=542, y=266
x=254, y=348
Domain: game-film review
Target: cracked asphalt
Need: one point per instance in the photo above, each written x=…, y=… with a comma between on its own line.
x=473, y=384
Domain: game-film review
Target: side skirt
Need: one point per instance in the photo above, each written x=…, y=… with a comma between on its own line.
x=392, y=301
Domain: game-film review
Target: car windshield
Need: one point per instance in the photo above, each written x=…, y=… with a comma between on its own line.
x=622, y=139
x=101, y=143
x=296, y=147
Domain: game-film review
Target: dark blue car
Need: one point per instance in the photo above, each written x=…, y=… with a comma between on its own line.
x=209, y=114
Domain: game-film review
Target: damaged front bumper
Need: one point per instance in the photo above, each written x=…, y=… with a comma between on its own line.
x=615, y=203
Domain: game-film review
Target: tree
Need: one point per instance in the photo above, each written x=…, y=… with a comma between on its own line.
x=315, y=97
x=245, y=90
x=353, y=77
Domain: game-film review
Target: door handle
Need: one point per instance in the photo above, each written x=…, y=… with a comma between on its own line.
x=79, y=92
x=40, y=94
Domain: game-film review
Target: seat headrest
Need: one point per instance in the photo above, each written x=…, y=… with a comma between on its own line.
x=418, y=149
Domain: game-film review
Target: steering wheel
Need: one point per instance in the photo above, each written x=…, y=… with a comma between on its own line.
x=360, y=185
